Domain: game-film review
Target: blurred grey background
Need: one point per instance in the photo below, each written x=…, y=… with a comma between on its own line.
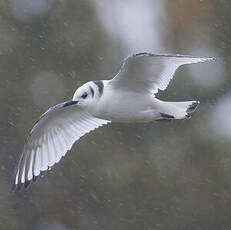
x=173, y=175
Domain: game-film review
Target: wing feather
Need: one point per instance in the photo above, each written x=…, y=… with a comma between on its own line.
x=150, y=72
x=50, y=139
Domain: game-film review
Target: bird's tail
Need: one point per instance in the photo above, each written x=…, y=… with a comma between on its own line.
x=179, y=110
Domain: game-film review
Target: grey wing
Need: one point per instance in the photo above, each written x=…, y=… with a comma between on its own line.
x=147, y=71
x=51, y=137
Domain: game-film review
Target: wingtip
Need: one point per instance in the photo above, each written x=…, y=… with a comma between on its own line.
x=27, y=183
x=212, y=58
x=35, y=178
x=18, y=187
x=142, y=54
x=169, y=55
x=13, y=187
x=203, y=59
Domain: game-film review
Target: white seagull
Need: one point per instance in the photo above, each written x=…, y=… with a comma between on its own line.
x=128, y=97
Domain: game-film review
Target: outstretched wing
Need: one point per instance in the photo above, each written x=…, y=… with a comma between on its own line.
x=51, y=137
x=147, y=71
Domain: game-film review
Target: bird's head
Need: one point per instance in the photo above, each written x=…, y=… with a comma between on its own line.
x=86, y=94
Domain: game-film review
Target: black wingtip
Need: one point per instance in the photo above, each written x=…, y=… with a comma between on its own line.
x=213, y=58
x=141, y=54
x=27, y=183
x=13, y=187
x=34, y=178
x=18, y=187
x=169, y=55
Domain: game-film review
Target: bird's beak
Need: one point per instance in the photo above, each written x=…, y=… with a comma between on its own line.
x=68, y=103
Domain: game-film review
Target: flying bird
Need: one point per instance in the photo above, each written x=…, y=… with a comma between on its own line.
x=128, y=97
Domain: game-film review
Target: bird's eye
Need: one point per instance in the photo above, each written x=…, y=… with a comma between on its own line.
x=84, y=95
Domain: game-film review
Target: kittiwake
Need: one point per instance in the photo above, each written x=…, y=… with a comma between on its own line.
x=128, y=97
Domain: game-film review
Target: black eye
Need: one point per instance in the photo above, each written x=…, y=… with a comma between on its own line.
x=84, y=95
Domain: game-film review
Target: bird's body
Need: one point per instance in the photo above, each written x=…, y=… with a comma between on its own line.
x=123, y=106
x=128, y=97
